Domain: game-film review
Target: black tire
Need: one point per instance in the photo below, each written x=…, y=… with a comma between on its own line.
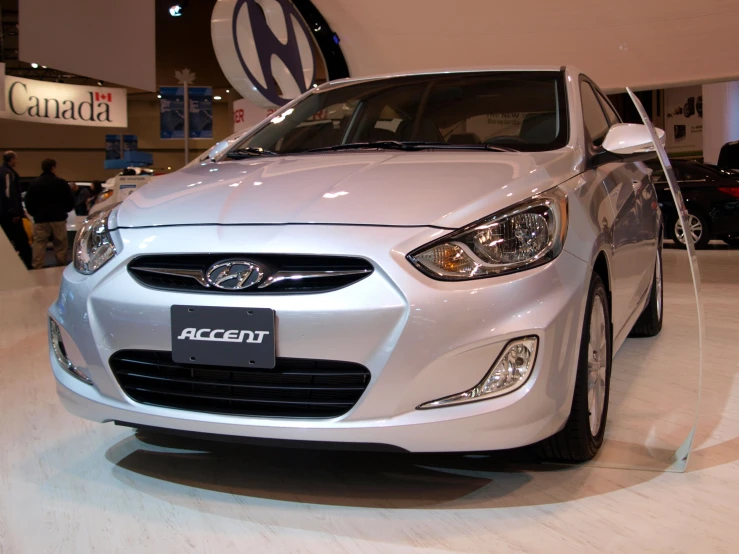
x=576, y=443
x=649, y=323
x=731, y=240
x=705, y=236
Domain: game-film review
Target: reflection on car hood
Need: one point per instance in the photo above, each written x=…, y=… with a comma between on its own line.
x=441, y=188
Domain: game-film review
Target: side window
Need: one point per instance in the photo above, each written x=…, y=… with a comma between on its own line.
x=595, y=120
x=694, y=174
x=611, y=114
x=658, y=176
x=679, y=175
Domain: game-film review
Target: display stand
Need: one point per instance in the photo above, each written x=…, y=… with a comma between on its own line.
x=656, y=389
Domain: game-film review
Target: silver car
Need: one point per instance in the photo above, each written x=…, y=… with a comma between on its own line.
x=423, y=262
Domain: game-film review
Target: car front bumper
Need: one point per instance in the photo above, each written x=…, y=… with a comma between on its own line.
x=420, y=339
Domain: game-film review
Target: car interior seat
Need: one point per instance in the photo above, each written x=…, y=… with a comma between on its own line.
x=539, y=128
x=427, y=131
x=464, y=138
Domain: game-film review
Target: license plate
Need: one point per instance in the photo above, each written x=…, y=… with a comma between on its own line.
x=232, y=337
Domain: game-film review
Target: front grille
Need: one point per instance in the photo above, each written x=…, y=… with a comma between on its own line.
x=295, y=388
x=319, y=273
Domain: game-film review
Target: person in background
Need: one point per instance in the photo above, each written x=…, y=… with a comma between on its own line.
x=11, y=207
x=81, y=196
x=97, y=188
x=48, y=201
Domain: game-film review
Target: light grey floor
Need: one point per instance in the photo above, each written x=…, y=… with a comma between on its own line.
x=70, y=486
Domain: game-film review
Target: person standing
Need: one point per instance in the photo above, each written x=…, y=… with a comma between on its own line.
x=49, y=199
x=97, y=188
x=11, y=207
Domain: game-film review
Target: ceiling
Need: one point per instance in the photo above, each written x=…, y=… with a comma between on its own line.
x=633, y=43
x=637, y=43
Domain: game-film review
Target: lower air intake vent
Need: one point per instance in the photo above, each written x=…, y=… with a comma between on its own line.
x=295, y=388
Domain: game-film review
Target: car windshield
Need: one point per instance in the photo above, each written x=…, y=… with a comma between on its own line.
x=522, y=111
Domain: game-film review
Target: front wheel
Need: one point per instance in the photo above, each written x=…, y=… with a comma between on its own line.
x=582, y=435
x=698, y=228
x=649, y=323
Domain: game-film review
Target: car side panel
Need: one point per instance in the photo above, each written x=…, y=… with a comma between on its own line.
x=646, y=231
x=591, y=220
x=626, y=271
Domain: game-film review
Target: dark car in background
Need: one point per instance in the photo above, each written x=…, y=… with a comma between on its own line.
x=711, y=196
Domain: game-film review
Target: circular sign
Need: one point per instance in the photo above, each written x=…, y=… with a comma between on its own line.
x=266, y=49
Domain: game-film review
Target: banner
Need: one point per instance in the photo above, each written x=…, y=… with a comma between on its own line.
x=60, y=104
x=113, y=150
x=172, y=112
x=247, y=114
x=130, y=143
x=113, y=147
x=684, y=120
x=2, y=87
x=201, y=112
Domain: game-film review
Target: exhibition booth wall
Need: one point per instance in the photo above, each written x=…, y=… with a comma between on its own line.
x=80, y=151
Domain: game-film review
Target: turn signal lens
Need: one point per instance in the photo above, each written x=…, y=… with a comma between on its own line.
x=103, y=196
x=449, y=258
x=509, y=372
x=523, y=236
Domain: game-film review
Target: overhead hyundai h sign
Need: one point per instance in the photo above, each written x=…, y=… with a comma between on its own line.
x=266, y=48
x=60, y=104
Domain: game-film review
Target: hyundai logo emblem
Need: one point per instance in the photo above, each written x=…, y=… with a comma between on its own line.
x=234, y=274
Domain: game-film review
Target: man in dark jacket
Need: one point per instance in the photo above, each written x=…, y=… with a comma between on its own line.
x=48, y=200
x=11, y=207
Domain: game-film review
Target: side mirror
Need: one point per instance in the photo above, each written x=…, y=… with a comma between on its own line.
x=630, y=138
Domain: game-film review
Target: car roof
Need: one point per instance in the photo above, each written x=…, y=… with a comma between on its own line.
x=457, y=71
x=673, y=161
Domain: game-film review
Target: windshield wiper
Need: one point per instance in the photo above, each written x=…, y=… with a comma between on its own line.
x=410, y=145
x=386, y=144
x=481, y=146
x=249, y=151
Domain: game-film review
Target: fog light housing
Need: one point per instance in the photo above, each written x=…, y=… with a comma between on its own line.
x=509, y=372
x=57, y=346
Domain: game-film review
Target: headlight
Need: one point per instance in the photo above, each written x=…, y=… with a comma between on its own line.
x=103, y=196
x=525, y=235
x=93, y=245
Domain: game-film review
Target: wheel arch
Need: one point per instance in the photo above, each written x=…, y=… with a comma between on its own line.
x=602, y=269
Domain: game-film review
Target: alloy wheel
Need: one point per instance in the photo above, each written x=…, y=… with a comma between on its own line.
x=597, y=365
x=696, y=229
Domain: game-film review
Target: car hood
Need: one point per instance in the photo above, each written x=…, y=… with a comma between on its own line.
x=440, y=188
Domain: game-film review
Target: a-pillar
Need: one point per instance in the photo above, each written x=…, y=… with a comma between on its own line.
x=720, y=118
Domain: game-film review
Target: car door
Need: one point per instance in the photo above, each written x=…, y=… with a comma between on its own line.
x=616, y=177
x=645, y=232
x=646, y=229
